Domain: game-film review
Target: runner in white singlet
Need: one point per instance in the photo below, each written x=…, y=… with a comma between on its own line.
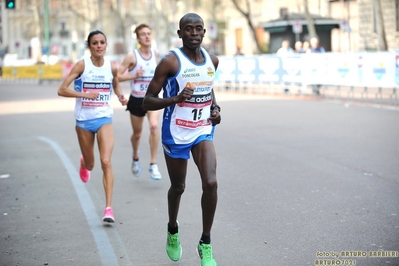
x=95, y=78
x=186, y=75
x=138, y=67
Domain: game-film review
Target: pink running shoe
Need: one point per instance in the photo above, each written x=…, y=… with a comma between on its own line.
x=108, y=215
x=83, y=172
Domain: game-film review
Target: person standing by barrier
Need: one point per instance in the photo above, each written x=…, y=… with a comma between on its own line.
x=298, y=47
x=141, y=64
x=305, y=47
x=285, y=49
x=186, y=75
x=238, y=51
x=315, y=48
x=95, y=78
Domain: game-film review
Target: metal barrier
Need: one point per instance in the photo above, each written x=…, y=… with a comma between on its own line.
x=352, y=94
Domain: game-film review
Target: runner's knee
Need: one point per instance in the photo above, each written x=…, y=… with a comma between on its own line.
x=178, y=189
x=154, y=128
x=105, y=163
x=209, y=186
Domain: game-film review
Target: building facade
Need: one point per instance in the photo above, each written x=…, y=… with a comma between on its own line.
x=230, y=24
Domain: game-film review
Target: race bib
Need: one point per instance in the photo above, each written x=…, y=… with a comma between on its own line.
x=140, y=88
x=104, y=97
x=194, y=113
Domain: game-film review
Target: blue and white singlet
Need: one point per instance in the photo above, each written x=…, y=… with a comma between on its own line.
x=184, y=122
x=94, y=79
x=139, y=85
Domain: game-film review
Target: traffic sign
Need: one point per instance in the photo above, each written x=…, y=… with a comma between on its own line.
x=297, y=27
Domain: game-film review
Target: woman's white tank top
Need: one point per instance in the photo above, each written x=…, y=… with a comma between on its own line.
x=97, y=79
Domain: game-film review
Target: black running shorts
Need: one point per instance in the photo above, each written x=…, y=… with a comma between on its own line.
x=135, y=106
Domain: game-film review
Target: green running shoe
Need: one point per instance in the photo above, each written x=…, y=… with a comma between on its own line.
x=173, y=247
x=205, y=253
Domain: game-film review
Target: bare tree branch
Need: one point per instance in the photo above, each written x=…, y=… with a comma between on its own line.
x=247, y=16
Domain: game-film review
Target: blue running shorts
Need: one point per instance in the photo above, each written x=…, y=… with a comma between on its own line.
x=182, y=151
x=93, y=125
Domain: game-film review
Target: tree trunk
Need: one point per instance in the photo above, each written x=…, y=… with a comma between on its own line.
x=247, y=15
x=379, y=20
x=311, y=27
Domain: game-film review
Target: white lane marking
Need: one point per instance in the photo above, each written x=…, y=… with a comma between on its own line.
x=103, y=243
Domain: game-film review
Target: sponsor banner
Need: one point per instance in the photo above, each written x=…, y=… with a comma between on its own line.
x=33, y=72
x=269, y=69
x=291, y=69
x=397, y=68
x=226, y=69
x=27, y=72
x=50, y=72
x=66, y=68
x=246, y=69
x=314, y=68
x=8, y=72
x=377, y=69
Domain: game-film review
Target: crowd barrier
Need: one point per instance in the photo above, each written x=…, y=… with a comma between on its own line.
x=369, y=75
x=366, y=69
x=46, y=72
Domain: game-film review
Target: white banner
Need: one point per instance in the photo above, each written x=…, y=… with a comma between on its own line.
x=367, y=69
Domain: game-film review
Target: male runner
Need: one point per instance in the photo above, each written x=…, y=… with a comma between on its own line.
x=186, y=75
x=140, y=65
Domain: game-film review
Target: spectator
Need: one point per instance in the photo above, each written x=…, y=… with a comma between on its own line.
x=238, y=52
x=285, y=49
x=315, y=48
x=305, y=47
x=298, y=46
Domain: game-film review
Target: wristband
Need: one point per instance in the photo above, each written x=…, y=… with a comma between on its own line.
x=213, y=106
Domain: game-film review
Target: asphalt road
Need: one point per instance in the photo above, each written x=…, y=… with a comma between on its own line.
x=301, y=182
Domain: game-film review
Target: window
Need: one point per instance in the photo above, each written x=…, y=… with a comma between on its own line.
x=239, y=38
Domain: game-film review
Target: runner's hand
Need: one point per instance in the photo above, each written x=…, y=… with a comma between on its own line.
x=185, y=94
x=140, y=72
x=215, y=117
x=122, y=99
x=92, y=95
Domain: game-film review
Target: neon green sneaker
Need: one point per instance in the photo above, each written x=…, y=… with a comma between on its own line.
x=205, y=253
x=173, y=247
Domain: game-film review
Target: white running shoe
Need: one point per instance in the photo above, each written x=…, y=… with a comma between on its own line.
x=136, y=168
x=154, y=172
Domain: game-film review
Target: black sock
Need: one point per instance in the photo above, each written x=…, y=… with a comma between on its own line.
x=205, y=239
x=136, y=160
x=173, y=230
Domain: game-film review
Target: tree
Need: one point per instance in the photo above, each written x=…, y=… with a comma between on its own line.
x=311, y=27
x=379, y=23
x=247, y=15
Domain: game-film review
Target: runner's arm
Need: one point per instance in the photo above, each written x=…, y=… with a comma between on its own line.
x=167, y=67
x=129, y=62
x=64, y=90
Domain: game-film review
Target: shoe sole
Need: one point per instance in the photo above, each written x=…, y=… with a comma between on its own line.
x=181, y=254
x=108, y=220
x=153, y=177
x=200, y=256
x=156, y=178
x=138, y=174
